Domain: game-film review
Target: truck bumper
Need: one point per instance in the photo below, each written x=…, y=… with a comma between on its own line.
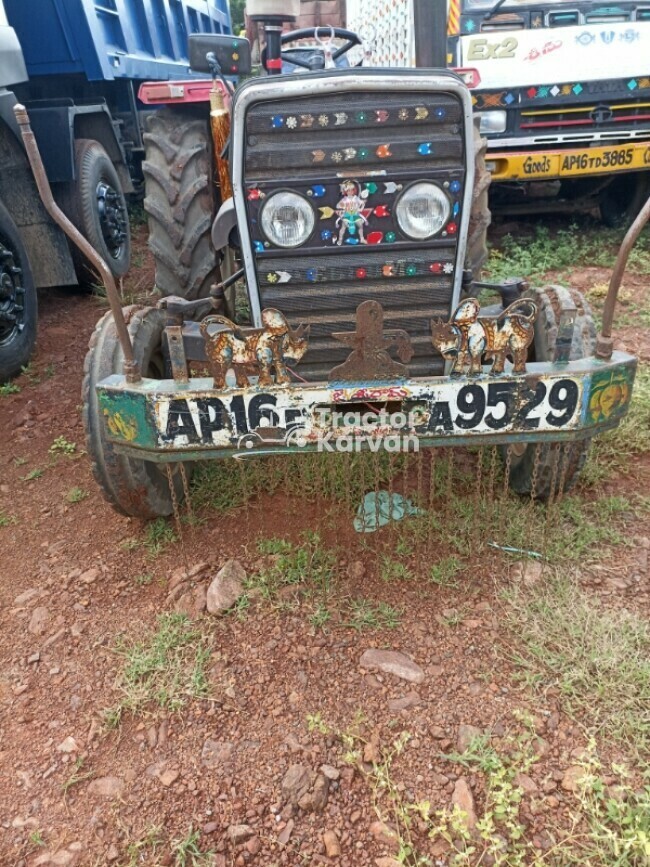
x=529, y=165
x=163, y=420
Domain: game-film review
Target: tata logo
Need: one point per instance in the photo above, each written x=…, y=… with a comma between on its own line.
x=601, y=114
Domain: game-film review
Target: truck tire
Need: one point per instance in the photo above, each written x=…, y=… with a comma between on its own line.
x=95, y=203
x=136, y=488
x=480, y=216
x=551, y=300
x=18, y=301
x=180, y=203
x=623, y=198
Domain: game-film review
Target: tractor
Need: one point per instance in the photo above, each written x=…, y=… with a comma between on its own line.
x=347, y=203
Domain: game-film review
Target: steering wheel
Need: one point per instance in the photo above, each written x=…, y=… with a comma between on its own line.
x=351, y=40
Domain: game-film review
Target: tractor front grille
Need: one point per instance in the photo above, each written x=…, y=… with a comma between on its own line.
x=382, y=142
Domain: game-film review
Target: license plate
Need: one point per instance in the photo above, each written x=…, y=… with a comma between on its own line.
x=545, y=165
x=279, y=418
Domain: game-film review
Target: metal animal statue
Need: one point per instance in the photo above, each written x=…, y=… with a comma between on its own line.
x=259, y=348
x=468, y=336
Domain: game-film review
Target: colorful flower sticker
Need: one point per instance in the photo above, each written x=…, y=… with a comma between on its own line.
x=452, y=228
x=448, y=268
x=323, y=120
x=272, y=277
x=454, y=186
x=421, y=113
x=326, y=235
x=440, y=113
x=311, y=274
x=361, y=117
x=435, y=267
x=349, y=153
x=424, y=149
x=277, y=121
x=306, y=120
x=371, y=186
x=403, y=114
x=292, y=122
x=337, y=156
x=411, y=270
x=390, y=237
x=341, y=118
x=317, y=191
x=363, y=153
x=361, y=273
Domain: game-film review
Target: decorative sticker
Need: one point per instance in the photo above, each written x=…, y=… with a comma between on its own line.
x=610, y=394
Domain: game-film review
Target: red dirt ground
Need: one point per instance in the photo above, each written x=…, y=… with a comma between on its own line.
x=269, y=671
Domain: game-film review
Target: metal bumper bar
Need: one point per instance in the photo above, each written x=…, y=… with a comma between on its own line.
x=163, y=420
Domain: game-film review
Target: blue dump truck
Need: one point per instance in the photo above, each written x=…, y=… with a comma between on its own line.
x=76, y=65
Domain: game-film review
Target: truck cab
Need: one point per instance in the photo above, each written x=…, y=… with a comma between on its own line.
x=563, y=94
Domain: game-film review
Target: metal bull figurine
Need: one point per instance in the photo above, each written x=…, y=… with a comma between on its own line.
x=260, y=348
x=468, y=336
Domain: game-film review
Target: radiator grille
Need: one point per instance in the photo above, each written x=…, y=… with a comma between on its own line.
x=382, y=142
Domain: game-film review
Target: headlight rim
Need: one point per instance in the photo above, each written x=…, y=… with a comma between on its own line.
x=401, y=195
x=264, y=206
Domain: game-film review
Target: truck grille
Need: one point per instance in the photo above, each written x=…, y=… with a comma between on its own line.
x=627, y=114
x=382, y=141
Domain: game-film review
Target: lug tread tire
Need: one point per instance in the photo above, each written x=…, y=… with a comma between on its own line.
x=551, y=300
x=480, y=217
x=135, y=488
x=179, y=203
x=15, y=354
x=78, y=201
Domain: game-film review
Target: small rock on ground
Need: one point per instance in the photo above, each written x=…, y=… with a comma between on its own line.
x=392, y=662
x=466, y=735
x=463, y=799
x=106, y=787
x=332, y=845
x=226, y=587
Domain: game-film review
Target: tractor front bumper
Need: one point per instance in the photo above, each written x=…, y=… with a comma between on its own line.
x=164, y=420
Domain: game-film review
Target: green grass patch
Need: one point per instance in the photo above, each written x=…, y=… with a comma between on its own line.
x=158, y=536
x=187, y=852
x=579, y=244
x=599, y=659
x=362, y=614
x=8, y=388
x=76, y=495
x=166, y=668
x=309, y=566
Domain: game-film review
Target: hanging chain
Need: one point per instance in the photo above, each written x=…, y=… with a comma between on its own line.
x=479, y=474
x=506, y=472
x=493, y=471
x=186, y=493
x=177, y=515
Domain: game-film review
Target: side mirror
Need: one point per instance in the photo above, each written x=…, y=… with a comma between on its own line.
x=233, y=53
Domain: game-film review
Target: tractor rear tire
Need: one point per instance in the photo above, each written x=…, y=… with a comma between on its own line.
x=551, y=300
x=180, y=203
x=480, y=217
x=134, y=487
x=95, y=203
x=18, y=301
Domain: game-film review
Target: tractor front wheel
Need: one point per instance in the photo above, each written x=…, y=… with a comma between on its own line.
x=535, y=465
x=134, y=487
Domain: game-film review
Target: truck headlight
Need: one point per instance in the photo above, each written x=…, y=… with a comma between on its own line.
x=422, y=210
x=492, y=121
x=287, y=219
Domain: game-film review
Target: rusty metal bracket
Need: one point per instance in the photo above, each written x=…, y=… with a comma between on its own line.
x=176, y=350
x=604, y=342
x=467, y=336
x=369, y=359
x=131, y=367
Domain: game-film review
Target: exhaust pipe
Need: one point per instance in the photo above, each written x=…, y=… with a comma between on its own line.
x=131, y=368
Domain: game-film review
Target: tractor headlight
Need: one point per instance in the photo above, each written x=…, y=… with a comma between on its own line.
x=422, y=210
x=492, y=121
x=287, y=219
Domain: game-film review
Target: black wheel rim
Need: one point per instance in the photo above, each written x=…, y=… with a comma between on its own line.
x=12, y=296
x=113, y=218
